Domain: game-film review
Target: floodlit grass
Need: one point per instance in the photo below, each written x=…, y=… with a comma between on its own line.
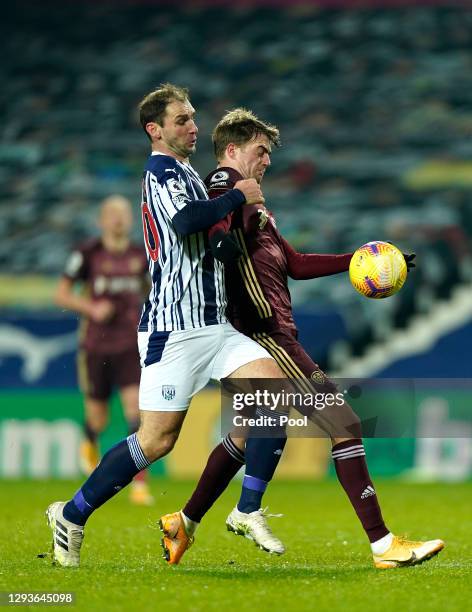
x=327, y=564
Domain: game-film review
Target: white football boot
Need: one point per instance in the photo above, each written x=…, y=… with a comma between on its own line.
x=66, y=537
x=254, y=527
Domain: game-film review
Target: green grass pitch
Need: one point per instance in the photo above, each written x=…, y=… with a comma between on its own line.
x=327, y=565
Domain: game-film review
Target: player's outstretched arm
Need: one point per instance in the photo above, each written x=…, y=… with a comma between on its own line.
x=301, y=266
x=198, y=215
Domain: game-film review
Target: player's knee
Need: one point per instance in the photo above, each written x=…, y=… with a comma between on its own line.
x=353, y=426
x=268, y=368
x=157, y=446
x=98, y=422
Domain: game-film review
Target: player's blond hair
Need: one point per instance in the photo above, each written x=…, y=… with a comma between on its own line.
x=152, y=107
x=239, y=126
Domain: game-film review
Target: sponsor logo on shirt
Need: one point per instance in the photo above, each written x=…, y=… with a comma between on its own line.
x=116, y=284
x=219, y=177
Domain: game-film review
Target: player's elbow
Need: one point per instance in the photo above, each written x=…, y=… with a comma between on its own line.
x=183, y=225
x=294, y=274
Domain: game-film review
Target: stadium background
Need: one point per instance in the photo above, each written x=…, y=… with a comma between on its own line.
x=374, y=103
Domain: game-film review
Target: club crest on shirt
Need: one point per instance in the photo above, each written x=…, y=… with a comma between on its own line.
x=168, y=392
x=318, y=376
x=263, y=217
x=175, y=186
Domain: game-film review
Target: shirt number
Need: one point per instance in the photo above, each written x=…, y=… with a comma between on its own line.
x=151, y=237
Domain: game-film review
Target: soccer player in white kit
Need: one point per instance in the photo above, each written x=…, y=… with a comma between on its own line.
x=184, y=337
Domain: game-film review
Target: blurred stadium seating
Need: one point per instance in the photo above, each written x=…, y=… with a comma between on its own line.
x=375, y=109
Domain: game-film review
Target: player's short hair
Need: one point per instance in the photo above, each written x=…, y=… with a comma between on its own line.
x=152, y=107
x=239, y=126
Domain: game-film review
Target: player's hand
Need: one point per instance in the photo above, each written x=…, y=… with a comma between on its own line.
x=409, y=257
x=102, y=311
x=224, y=247
x=252, y=191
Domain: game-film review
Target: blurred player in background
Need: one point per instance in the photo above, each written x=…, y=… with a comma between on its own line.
x=258, y=260
x=113, y=274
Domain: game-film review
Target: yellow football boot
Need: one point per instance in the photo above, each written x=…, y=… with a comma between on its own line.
x=405, y=552
x=139, y=493
x=175, y=540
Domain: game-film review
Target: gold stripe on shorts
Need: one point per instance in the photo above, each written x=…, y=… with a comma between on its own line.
x=286, y=363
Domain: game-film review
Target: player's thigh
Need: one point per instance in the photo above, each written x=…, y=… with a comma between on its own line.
x=175, y=366
x=336, y=418
x=242, y=357
x=288, y=353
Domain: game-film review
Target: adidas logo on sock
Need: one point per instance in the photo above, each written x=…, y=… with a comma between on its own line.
x=278, y=451
x=367, y=492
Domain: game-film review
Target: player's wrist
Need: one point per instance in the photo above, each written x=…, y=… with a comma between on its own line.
x=237, y=195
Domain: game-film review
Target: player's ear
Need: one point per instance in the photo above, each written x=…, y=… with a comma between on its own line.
x=154, y=130
x=231, y=150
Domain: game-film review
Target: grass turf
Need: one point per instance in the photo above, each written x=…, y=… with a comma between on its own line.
x=327, y=565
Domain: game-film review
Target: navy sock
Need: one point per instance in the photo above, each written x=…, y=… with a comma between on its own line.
x=117, y=468
x=262, y=458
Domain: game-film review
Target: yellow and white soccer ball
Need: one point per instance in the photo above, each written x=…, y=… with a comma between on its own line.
x=377, y=269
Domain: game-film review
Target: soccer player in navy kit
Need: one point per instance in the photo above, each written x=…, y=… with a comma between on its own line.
x=258, y=260
x=112, y=273
x=184, y=337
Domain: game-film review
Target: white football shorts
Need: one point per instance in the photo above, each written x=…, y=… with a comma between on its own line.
x=176, y=365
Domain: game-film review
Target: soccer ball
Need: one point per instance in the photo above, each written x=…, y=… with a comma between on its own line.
x=377, y=270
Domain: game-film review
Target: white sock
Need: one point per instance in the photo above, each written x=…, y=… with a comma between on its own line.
x=190, y=526
x=381, y=546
